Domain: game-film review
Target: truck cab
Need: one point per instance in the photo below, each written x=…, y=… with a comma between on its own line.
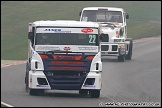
x=64, y=55
x=114, y=27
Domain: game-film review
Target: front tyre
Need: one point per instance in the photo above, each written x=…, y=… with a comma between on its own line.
x=36, y=92
x=27, y=78
x=95, y=93
x=83, y=92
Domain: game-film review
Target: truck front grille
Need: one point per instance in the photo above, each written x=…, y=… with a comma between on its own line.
x=114, y=47
x=65, y=80
x=66, y=71
x=105, y=38
x=104, y=47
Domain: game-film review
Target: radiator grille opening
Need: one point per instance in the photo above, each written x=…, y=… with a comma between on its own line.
x=114, y=47
x=105, y=38
x=104, y=47
x=65, y=80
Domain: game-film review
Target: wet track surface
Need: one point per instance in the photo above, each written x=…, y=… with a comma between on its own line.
x=136, y=80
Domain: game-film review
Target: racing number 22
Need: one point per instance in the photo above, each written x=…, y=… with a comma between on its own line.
x=92, y=38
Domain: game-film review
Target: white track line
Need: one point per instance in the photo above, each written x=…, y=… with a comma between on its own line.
x=5, y=104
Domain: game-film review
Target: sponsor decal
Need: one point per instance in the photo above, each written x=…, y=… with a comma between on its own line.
x=87, y=48
x=57, y=30
x=87, y=30
x=47, y=48
x=67, y=48
x=65, y=58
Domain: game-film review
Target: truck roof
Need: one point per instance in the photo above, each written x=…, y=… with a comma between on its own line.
x=63, y=23
x=108, y=8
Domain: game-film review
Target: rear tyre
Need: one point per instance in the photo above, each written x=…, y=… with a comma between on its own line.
x=95, y=93
x=129, y=55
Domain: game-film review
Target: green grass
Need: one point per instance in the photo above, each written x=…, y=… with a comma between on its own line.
x=15, y=16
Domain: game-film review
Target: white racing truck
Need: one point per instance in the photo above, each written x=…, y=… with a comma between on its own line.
x=114, y=29
x=64, y=55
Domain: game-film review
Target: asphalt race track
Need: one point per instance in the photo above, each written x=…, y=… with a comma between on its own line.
x=137, y=80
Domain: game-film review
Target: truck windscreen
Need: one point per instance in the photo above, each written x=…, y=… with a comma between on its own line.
x=102, y=16
x=66, y=39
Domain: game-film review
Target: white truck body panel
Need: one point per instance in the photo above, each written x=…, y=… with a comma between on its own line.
x=37, y=62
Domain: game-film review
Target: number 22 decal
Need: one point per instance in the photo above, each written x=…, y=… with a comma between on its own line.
x=92, y=38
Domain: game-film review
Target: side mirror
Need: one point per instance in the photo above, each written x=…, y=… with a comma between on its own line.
x=30, y=35
x=101, y=36
x=121, y=32
x=80, y=13
x=127, y=16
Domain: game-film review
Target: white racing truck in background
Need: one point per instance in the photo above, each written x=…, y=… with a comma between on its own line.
x=114, y=29
x=64, y=55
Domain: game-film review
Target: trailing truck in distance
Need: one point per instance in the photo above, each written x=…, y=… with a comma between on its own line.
x=114, y=28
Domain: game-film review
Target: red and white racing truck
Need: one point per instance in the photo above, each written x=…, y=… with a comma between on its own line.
x=114, y=29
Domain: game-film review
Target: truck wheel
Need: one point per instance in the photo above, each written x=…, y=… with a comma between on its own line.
x=129, y=55
x=26, y=73
x=26, y=84
x=27, y=78
x=33, y=92
x=121, y=58
x=95, y=93
x=36, y=92
x=83, y=92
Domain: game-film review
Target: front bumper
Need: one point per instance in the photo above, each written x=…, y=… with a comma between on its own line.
x=111, y=49
x=38, y=80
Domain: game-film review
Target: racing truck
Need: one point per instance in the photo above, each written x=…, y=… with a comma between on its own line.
x=114, y=29
x=64, y=55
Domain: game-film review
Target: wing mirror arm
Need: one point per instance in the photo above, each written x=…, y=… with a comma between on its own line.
x=80, y=13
